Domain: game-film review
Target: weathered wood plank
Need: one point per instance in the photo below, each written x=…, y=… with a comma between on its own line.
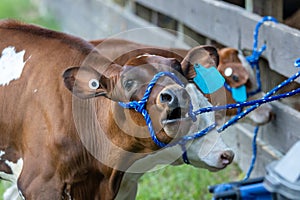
x=239, y=138
x=233, y=26
x=96, y=19
x=283, y=132
x=269, y=7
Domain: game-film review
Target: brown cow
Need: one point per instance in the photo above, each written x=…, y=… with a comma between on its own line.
x=241, y=73
x=56, y=145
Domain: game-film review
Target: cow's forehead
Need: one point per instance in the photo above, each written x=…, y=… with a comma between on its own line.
x=149, y=59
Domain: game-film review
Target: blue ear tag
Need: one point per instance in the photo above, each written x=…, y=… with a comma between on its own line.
x=239, y=94
x=208, y=80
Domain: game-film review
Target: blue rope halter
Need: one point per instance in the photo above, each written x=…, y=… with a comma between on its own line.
x=140, y=106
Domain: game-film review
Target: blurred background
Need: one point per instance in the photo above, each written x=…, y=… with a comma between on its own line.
x=186, y=24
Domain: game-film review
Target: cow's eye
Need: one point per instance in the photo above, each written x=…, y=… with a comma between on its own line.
x=128, y=84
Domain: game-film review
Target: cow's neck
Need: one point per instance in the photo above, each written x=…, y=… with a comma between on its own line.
x=105, y=132
x=128, y=187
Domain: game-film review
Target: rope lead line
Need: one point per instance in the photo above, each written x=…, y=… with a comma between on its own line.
x=267, y=98
x=254, y=57
x=139, y=106
x=254, y=154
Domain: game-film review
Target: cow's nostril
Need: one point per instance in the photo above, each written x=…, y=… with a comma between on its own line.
x=235, y=78
x=166, y=97
x=227, y=157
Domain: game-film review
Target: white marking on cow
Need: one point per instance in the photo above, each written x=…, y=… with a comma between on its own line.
x=16, y=168
x=1, y=154
x=12, y=193
x=35, y=91
x=145, y=55
x=11, y=65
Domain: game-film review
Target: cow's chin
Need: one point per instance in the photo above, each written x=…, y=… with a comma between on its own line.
x=175, y=128
x=215, y=169
x=208, y=167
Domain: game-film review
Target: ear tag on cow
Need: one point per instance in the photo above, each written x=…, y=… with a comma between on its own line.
x=94, y=84
x=208, y=80
x=239, y=94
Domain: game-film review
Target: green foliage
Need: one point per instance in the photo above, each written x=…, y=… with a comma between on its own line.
x=26, y=11
x=3, y=186
x=183, y=182
x=178, y=182
x=1, y=190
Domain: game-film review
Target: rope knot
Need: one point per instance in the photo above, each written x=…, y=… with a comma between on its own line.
x=139, y=106
x=254, y=57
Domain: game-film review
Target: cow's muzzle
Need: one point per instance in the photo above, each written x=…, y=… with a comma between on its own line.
x=175, y=101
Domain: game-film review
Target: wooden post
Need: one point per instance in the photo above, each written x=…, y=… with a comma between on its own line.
x=249, y=5
x=269, y=7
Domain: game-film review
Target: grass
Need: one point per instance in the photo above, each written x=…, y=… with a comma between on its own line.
x=2, y=188
x=183, y=182
x=26, y=11
x=180, y=182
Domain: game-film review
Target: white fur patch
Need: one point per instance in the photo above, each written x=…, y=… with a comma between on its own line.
x=16, y=168
x=11, y=65
x=1, y=154
x=145, y=55
x=12, y=193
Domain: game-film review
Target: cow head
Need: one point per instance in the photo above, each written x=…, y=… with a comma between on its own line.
x=168, y=102
x=237, y=72
x=167, y=106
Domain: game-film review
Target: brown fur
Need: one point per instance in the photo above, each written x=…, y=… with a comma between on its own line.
x=37, y=117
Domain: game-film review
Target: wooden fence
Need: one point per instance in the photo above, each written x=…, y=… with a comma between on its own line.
x=207, y=22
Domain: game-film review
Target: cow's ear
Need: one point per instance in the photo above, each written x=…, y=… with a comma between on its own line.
x=86, y=82
x=229, y=55
x=206, y=56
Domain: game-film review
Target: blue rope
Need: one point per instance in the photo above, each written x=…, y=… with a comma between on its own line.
x=139, y=106
x=182, y=142
x=254, y=57
x=253, y=61
x=254, y=103
x=267, y=98
x=254, y=146
x=257, y=102
x=254, y=154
